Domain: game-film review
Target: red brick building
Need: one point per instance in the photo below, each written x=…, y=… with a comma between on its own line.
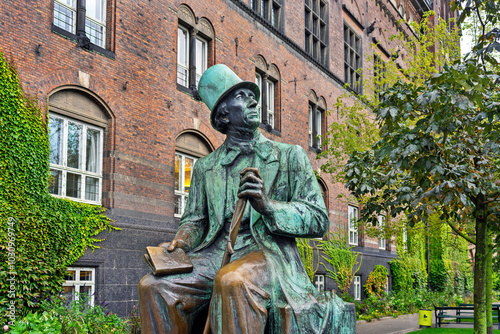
x=118, y=82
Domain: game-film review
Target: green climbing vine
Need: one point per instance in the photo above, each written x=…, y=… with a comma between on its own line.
x=40, y=235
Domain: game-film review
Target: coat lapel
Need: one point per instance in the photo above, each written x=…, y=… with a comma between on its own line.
x=268, y=168
x=216, y=189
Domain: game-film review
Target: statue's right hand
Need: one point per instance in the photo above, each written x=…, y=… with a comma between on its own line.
x=176, y=243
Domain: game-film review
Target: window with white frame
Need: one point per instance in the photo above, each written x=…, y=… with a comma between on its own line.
x=258, y=82
x=381, y=225
x=80, y=283
x=95, y=22
x=75, y=159
x=357, y=287
x=310, y=125
x=182, y=56
x=184, y=166
x=268, y=98
x=66, y=13
x=270, y=103
x=319, y=282
x=199, y=61
x=352, y=59
x=315, y=125
x=353, y=226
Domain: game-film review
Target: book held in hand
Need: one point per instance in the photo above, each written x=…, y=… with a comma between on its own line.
x=163, y=262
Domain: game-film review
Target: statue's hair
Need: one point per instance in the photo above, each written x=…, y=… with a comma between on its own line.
x=220, y=119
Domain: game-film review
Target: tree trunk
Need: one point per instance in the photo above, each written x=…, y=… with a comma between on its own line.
x=480, y=267
x=489, y=285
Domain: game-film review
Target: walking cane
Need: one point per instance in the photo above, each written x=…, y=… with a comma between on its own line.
x=231, y=240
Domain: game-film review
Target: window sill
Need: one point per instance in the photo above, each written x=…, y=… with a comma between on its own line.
x=268, y=128
x=77, y=199
x=93, y=47
x=189, y=91
x=315, y=150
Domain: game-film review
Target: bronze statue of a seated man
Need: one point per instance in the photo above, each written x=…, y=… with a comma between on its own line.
x=265, y=289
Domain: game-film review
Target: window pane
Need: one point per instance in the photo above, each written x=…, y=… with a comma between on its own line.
x=70, y=275
x=188, y=166
x=95, y=32
x=69, y=293
x=86, y=293
x=258, y=82
x=253, y=4
x=85, y=275
x=55, y=186
x=270, y=103
x=201, y=58
x=182, y=56
x=178, y=205
x=74, y=140
x=73, y=185
x=91, y=189
x=56, y=139
x=96, y=9
x=93, y=146
x=275, y=17
x=178, y=159
x=64, y=17
x=318, y=126
x=69, y=3
x=310, y=125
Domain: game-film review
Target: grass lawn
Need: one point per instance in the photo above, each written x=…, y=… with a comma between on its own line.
x=449, y=331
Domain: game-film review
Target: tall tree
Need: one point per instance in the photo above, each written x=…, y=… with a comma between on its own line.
x=359, y=129
x=439, y=149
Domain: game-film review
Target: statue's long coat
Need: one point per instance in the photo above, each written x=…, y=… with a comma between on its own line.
x=300, y=212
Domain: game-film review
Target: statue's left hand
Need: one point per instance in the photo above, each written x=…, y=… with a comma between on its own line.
x=252, y=187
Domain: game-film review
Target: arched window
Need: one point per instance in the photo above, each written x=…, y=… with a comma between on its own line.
x=267, y=77
x=189, y=147
x=317, y=120
x=194, y=49
x=77, y=123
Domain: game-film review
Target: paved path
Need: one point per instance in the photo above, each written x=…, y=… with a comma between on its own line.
x=401, y=325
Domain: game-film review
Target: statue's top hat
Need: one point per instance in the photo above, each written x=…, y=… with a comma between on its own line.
x=219, y=81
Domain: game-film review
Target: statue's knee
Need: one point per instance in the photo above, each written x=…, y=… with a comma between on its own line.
x=228, y=279
x=147, y=283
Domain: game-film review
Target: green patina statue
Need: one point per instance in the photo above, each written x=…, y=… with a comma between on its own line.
x=265, y=288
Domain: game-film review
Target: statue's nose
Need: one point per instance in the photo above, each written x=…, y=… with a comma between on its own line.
x=252, y=103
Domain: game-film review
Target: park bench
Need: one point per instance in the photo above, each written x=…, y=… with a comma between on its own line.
x=463, y=311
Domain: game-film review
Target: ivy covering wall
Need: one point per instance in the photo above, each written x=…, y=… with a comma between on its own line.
x=40, y=235
x=450, y=267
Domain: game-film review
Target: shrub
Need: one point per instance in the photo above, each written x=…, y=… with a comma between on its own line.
x=77, y=316
x=343, y=260
x=376, y=282
x=404, y=302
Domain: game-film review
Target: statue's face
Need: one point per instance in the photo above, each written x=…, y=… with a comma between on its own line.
x=243, y=109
